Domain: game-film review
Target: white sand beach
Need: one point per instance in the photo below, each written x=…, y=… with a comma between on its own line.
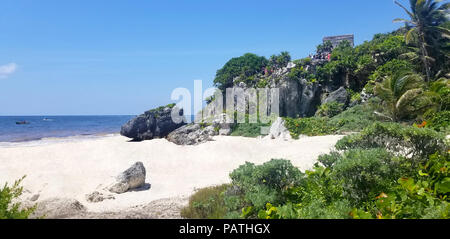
x=65, y=168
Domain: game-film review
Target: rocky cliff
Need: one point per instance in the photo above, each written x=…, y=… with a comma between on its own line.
x=298, y=97
x=156, y=123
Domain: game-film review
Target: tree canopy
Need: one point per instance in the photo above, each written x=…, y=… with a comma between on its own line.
x=243, y=66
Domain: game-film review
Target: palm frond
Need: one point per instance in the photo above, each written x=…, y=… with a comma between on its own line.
x=405, y=100
x=408, y=82
x=403, y=20
x=404, y=8
x=412, y=56
x=410, y=34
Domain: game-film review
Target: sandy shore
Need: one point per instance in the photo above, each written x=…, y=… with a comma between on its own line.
x=74, y=168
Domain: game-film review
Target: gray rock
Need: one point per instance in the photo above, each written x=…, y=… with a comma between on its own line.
x=340, y=96
x=220, y=122
x=290, y=65
x=298, y=98
x=152, y=124
x=365, y=96
x=192, y=134
x=279, y=131
x=131, y=178
x=34, y=198
x=98, y=197
x=225, y=132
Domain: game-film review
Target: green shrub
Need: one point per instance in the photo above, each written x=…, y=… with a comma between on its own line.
x=251, y=130
x=423, y=195
x=245, y=66
x=439, y=121
x=408, y=141
x=318, y=209
x=330, y=109
x=364, y=174
x=391, y=67
x=355, y=118
x=352, y=119
x=356, y=98
x=281, y=60
x=328, y=160
x=264, y=183
x=10, y=209
x=206, y=203
x=309, y=126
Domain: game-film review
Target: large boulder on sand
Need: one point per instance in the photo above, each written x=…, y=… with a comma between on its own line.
x=340, y=96
x=192, y=134
x=131, y=178
x=156, y=123
x=196, y=133
x=278, y=130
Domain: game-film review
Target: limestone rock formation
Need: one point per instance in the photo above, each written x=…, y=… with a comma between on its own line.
x=132, y=178
x=192, y=134
x=156, y=123
x=340, y=95
x=279, y=131
x=298, y=98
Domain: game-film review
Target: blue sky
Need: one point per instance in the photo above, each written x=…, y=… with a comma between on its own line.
x=97, y=57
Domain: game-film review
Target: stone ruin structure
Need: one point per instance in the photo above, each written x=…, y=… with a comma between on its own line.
x=325, y=54
x=335, y=40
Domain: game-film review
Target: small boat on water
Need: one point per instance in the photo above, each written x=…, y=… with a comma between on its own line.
x=47, y=119
x=22, y=122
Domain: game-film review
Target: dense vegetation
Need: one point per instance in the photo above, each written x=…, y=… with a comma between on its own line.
x=244, y=67
x=396, y=162
x=386, y=171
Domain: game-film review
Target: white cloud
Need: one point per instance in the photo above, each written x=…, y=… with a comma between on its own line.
x=8, y=69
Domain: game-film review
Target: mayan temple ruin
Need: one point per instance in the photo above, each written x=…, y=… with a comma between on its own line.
x=335, y=40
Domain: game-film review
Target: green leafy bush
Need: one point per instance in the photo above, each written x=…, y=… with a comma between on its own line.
x=439, y=121
x=10, y=209
x=364, y=174
x=352, y=119
x=356, y=97
x=355, y=118
x=422, y=195
x=244, y=67
x=408, y=141
x=207, y=203
x=261, y=184
x=330, y=109
x=349, y=180
x=251, y=130
x=390, y=69
x=300, y=72
x=309, y=126
x=281, y=60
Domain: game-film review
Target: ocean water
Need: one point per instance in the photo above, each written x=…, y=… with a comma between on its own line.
x=41, y=127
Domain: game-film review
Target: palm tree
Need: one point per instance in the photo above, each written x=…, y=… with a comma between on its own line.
x=404, y=95
x=440, y=91
x=426, y=17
